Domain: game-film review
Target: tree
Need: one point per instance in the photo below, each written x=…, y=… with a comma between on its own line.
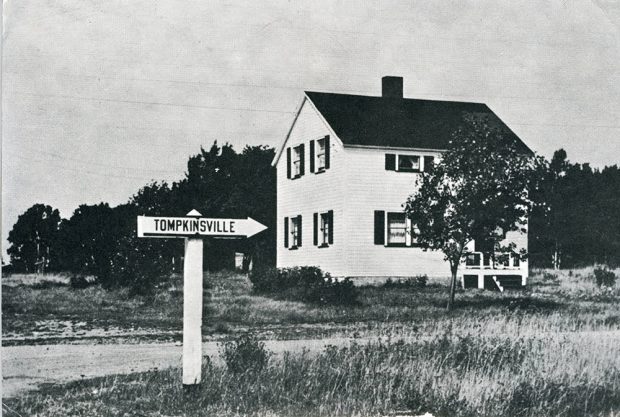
x=254, y=195
x=90, y=238
x=478, y=190
x=32, y=239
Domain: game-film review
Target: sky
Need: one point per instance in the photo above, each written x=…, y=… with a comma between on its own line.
x=101, y=97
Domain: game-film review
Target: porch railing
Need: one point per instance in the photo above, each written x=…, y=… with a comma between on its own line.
x=480, y=260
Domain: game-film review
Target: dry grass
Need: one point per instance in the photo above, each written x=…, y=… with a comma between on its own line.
x=551, y=351
x=569, y=300
x=491, y=367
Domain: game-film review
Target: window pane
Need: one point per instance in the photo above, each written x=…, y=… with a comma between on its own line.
x=295, y=231
x=320, y=155
x=325, y=228
x=408, y=163
x=397, y=228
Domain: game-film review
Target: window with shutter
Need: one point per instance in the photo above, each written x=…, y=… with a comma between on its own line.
x=390, y=162
x=295, y=232
x=297, y=161
x=320, y=154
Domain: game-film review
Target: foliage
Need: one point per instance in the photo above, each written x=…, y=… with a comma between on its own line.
x=101, y=241
x=419, y=281
x=222, y=183
x=576, y=221
x=604, y=277
x=245, y=354
x=478, y=191
x=34, y=240
x=306, y=283
x=78, y=282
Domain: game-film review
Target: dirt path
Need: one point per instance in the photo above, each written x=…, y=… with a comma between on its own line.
x=25, y=367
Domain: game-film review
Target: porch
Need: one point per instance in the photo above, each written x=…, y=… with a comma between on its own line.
x=498, y=272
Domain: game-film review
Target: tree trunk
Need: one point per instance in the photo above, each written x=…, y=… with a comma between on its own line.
x=452, y=288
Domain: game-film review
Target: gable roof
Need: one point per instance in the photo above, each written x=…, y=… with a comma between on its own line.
x=399, y=122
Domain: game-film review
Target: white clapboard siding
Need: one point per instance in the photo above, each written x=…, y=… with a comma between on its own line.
x=370, y=187
x=312, y=193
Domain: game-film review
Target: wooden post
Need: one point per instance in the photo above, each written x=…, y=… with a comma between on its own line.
x=192, y=311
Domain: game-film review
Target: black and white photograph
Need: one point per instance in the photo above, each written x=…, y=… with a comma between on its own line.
x=329, y=208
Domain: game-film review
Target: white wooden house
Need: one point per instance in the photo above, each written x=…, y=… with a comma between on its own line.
x=344, y=171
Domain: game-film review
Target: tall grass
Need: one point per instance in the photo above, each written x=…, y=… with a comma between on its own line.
x=490, y=373
x=551, y=351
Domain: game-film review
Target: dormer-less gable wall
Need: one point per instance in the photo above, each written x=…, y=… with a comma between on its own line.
x=309, y=184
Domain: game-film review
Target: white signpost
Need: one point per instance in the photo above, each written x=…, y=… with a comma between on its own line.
x=193, y=228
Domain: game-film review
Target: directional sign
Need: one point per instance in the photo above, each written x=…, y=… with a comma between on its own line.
x=192, y=228
x=197, y=226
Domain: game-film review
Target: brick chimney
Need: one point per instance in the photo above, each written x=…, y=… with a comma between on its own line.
x=392, y=87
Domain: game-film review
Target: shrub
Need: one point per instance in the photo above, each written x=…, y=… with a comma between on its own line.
x=306, y=283
x=604, y=277
x=419, y=281
x=139, y=264
x=79, y=282
x=245, y=354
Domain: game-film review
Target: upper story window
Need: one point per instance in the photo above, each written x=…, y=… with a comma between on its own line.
x=320, y=154
x=408, y=163
x=297, y=154
x=295, y=161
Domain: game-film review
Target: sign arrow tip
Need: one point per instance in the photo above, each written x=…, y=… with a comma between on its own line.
x=194, y=212
x=254, y=227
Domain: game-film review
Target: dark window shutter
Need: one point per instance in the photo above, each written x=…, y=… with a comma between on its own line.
x=379, y=227
x=429, y=163
x=327, y=153
x=311, y=156
x=390, y=162
x=299, y=230
x=286, y=232
x=330, y=217
x=316, y=229
x=288, y=162
x=302, y=158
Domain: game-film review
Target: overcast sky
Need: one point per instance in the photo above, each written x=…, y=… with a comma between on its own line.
x=99, y=97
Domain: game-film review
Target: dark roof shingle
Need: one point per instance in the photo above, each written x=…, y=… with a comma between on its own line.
x=398, y=122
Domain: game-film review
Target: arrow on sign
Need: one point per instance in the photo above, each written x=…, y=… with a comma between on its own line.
x=194, y=225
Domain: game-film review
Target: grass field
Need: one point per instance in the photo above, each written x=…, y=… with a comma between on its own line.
x=553, y=350
x=48, y=311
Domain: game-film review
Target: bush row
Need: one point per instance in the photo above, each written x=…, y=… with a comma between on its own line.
x=306, y=283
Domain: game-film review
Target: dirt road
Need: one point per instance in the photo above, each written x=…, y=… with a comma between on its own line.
x=25, y=367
